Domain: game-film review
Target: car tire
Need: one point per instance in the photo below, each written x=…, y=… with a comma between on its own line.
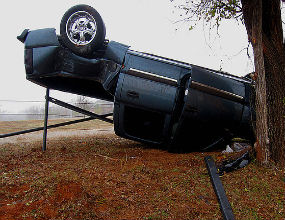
x=82, y=30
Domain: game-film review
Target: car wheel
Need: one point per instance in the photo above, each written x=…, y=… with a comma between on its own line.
x=82, y=30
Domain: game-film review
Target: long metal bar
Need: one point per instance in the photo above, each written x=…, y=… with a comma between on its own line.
x=79, y=110
x=51, y=126
x=152, y=76
x=219, y=189
x=217, y=92
x=46, y=121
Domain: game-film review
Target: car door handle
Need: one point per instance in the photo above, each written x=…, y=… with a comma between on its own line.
x=133, y=94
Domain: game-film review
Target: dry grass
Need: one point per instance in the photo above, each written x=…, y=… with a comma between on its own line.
x=102, y=176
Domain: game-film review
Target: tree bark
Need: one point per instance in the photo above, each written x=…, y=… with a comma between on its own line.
x=252, y=12
x=274, y=59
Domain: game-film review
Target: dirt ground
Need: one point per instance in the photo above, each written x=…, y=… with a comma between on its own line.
x=88, y=172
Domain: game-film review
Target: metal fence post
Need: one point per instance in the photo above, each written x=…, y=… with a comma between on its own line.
x=46, y=121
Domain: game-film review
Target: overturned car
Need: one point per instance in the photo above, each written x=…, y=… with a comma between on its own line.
x=156, y=100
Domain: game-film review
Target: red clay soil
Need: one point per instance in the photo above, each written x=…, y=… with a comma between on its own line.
x=106, y=177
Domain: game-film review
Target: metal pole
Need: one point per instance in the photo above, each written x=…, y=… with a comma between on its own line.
x=82, y=111
x=225, y=206
x=46, y=121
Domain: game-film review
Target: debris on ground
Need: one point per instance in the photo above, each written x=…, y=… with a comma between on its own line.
x=236, y=156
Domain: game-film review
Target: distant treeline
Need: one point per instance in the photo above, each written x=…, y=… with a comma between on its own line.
x=36, y=112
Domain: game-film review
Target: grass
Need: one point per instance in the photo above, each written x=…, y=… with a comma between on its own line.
x=107, y=177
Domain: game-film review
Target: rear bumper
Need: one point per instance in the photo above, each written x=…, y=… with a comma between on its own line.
x=49, y=64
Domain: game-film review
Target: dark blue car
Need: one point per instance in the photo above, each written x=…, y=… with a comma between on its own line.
x=156, y=100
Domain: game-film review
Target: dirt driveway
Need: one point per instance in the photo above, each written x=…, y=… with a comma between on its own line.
x=56, y=135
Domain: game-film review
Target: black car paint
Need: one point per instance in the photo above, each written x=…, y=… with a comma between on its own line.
x=156, y=100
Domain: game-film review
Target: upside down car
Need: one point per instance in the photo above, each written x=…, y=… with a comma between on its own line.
x=156, y=100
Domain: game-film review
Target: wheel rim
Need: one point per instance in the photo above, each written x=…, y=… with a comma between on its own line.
x=81, y=28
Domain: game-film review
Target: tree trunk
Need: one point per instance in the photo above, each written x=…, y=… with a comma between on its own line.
x=274, y=59
x=252, y=12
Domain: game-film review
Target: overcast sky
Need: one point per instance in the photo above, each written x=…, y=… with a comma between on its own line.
x=145, y=25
